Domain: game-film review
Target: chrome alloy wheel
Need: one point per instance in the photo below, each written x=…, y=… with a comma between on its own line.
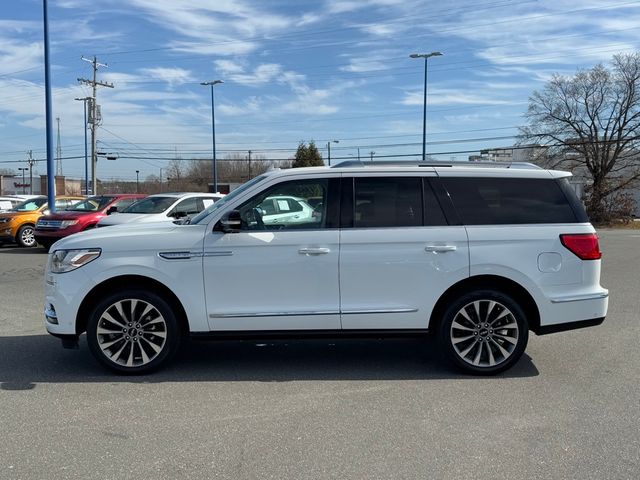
x=484, y=333
x=131, y=332
x=27, y=237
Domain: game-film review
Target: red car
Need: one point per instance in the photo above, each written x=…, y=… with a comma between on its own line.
x=83, y=216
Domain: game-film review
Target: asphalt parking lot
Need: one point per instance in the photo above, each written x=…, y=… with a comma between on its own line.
x=319, y=409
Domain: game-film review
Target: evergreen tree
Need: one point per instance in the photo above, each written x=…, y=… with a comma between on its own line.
x=307, y=156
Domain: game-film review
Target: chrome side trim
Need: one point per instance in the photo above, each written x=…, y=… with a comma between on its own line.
x=580, y=298
x=375, y=310
x=222, y=253
x=273, y=314
x=179, y=255
x=317, y=312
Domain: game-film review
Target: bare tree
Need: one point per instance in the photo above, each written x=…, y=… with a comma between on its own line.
x=590, y=122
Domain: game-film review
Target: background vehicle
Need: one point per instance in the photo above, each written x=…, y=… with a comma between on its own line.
x=476, y=254
x=81, y=216
x=7, y=203
x=282, y=209
x=18, y=224
x=162, y=207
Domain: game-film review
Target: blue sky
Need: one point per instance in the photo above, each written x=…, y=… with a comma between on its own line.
x=293, y=70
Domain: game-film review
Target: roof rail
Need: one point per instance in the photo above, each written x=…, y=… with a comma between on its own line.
x=435, y=163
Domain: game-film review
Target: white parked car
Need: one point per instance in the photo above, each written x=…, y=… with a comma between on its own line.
x=477, y=255
x=283, y=209
x=7, y=203
x=162, y=207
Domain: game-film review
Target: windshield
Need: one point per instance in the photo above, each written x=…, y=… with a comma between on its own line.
x=30, y=205
x=224, y=200
x=92, y=204
x=150, y=205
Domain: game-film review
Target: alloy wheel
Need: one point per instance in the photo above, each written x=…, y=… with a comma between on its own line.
x=27, y=237
x=484, y=333
x=131, y=332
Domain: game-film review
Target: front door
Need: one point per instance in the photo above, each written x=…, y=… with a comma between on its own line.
x=276, y=275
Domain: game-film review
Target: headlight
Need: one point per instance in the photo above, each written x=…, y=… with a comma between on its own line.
x=68, y=223
x=67, y=260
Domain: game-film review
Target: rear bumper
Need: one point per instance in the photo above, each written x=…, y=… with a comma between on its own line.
x=572, y=311
x=563, y=327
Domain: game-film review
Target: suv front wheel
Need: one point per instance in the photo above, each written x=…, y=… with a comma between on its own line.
x=133, y=332
x=484, y=332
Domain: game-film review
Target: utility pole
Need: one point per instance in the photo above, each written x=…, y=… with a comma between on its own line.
x=31, y=163
x=249, y=165
x=22, y=169
x=372, y=153
x=94, y=117
x=358, y=153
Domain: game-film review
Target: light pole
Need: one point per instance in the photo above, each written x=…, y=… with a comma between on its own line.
x=424, y=104
x=213, y=134
x=86, y=157
x=329, y=150
x=23, y=169
x=137, y=181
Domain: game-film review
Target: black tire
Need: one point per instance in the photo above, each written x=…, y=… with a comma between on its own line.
x=133, y=332
x=25, y=236
x=484, y=332
x=46, y=245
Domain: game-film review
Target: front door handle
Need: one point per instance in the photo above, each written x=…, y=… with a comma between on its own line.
x=440, y=248
x=314, y=251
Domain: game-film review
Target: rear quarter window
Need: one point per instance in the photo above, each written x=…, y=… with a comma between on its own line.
x=501, y=201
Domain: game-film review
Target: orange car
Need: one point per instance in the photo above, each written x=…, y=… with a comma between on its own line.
x=17, y=224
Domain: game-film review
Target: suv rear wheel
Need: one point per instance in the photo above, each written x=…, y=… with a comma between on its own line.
x=133, y=332
x=484, y=332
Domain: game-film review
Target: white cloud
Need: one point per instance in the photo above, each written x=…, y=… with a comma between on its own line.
x=173, y=76
x=449, y=96
x=229, y=67
x=251, y=105
x=17, y=55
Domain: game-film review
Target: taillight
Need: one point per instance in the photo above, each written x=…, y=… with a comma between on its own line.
x=583, y=245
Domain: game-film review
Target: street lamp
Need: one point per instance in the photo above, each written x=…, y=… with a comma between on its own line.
x=137, y=181
x=213, y=134
x=84, y=100
x=424, y=105
x=329, y=150
x=23, y=169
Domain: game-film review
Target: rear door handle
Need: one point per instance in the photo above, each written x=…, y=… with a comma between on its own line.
x=440, y=248
x=314, y=251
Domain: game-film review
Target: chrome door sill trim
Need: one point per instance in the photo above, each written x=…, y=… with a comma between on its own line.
x=310, y=313
x=273, y=314
x=377, y=310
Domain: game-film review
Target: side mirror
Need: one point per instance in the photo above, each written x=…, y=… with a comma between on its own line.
x=229, y=223
x=111, y=210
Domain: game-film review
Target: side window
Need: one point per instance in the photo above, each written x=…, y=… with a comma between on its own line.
x=122, y=204
x=433, y=214
x=186, y=207
x=62, y=204
x=501, y=201
x=388, y=202
x=287, y=206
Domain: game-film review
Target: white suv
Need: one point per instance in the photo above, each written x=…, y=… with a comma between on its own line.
x=162, y=207
x=478, y=256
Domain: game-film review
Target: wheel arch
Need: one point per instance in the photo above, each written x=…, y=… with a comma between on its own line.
x=503, y=284
x=122, y=282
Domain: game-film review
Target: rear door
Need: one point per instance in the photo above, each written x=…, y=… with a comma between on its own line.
x=398, y=253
